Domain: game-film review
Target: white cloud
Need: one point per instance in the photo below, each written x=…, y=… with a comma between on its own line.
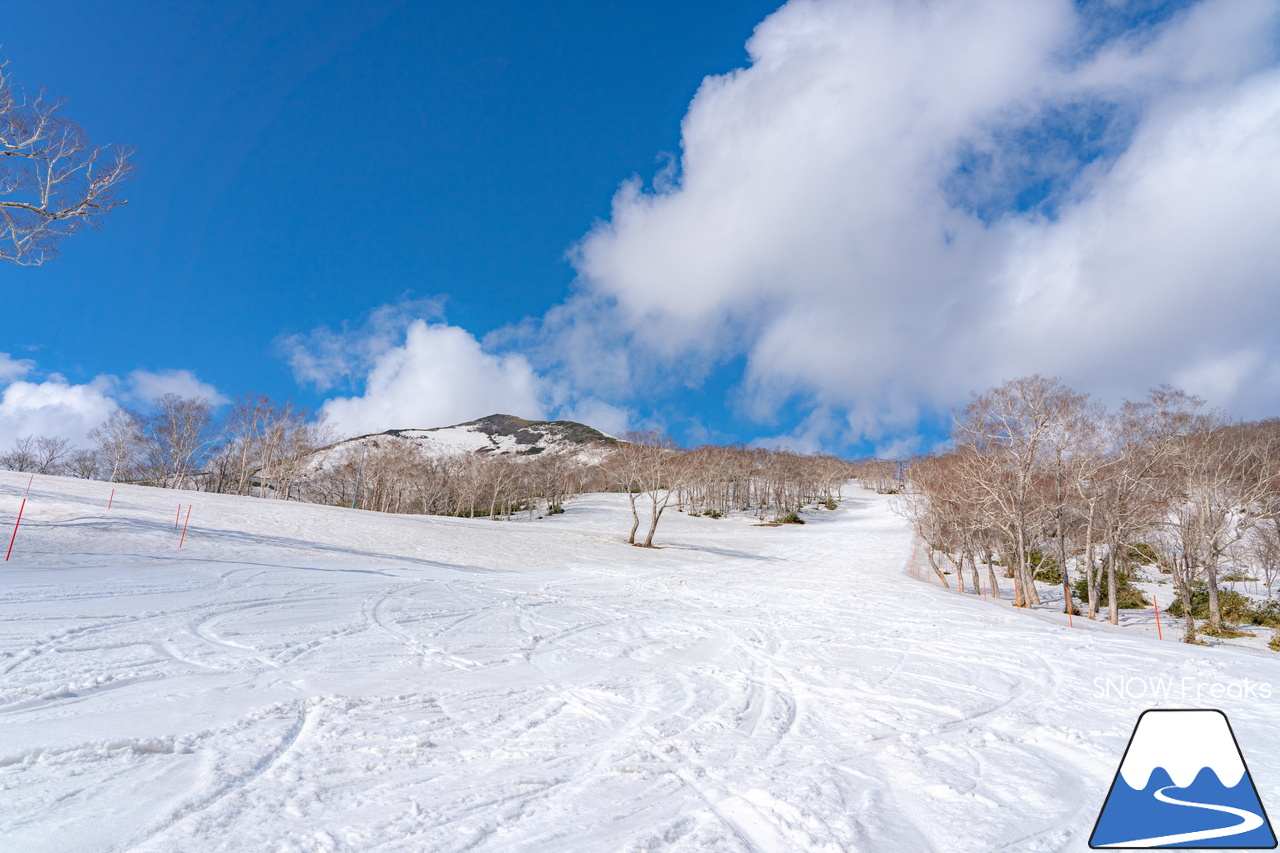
x=440, y=375
x=897, y=202
x=327, y=359
x=14, y=368
x=146, y=385
x=49, y=405
x=54, y=408
x=609, y=419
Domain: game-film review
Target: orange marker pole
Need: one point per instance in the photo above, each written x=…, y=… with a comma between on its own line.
x=29, y=481
x=15, y=530
x=177, y=517
x=112, y=498
x=1159, y=630
x=184, y=527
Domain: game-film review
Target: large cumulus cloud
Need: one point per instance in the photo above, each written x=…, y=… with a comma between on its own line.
x=898, y=201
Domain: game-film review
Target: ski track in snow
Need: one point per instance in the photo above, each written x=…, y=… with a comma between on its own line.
x=302, y=678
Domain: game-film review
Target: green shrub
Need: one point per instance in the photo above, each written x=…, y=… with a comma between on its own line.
x=714, y=513
x=1233, y=606
x=555, y=509
x=1050, y=575
x=829, y=503
x=789, y=518
x=1266, y=613
x=1274, y=645
x=1226, y=632
x=1128, y=596
x=1046, y=568
x=1140, y=554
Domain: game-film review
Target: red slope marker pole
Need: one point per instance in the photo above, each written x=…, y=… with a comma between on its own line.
x=112, y=498
x=15, y=530
x=177, y=517
x=1159, y=630
x=29, y=481
x=184, y=527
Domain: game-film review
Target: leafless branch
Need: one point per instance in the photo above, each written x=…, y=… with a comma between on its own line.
x=53, y=181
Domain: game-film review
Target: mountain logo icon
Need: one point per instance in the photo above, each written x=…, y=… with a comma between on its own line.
x=1183, y=783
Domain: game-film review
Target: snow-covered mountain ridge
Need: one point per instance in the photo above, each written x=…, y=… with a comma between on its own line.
x=496, y=434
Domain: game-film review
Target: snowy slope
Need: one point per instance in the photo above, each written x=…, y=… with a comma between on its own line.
x=500, y=435
x=307, y=678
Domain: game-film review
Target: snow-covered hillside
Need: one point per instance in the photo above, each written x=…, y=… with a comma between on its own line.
x=496, y=434
x=307, y=678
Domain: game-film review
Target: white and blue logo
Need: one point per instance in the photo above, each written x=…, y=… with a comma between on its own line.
x=1183, y=783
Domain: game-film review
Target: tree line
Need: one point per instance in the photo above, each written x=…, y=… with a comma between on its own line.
x=714, y=480
x=259, y=447
x=1044, y=481
x=388, y=473
x=273, y=450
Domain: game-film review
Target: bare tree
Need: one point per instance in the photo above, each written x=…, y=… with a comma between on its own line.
x=180, y=432
x=22, y=456
x=265, y=448
x=1012, y=426
x=647, y=463
x=1263, y=551
x=53, y=181
x=1228, y=473
x=52, y=454
x=120, y=442
x=84, y=464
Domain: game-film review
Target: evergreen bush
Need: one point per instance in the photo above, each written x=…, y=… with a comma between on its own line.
x=1128, y=596
x=1233, y=606
x=1046, y=568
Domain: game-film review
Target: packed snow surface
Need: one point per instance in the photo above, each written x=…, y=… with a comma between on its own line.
x=307, y=678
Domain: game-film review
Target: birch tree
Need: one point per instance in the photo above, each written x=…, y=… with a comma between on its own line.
x=119, y=442
x=53, y=181
x=180, y=432
x=1011, y=426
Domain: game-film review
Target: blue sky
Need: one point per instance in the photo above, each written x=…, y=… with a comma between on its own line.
x=888, y=205
x=296, y=172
